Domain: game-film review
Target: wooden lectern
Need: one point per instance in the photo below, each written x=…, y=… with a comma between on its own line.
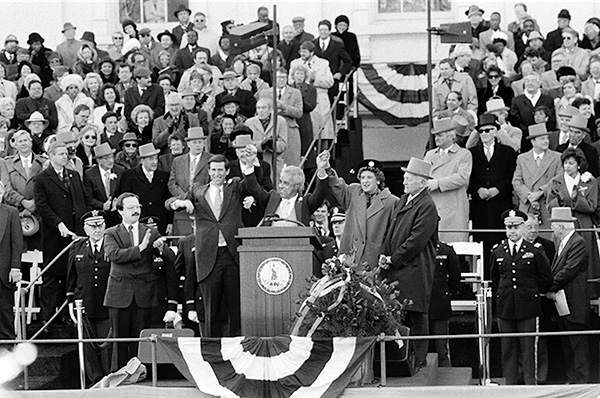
x=274, y=265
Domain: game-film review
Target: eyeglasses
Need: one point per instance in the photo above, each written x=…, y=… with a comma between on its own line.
x=135, y=207
x=199, y=20
x=144, y=34
x=117, y=38
x=567, y=38
x=130, y=145
x=87, y=137
x=494, y=76
x=484, y=131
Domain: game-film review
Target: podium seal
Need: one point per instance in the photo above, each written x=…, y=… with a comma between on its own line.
x=274, y=276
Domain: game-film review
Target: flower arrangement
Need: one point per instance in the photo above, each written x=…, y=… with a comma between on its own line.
x=349, y=300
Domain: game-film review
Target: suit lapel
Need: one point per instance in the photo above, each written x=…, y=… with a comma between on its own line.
x=97, y=178
x=376, y=205
x=361, y=211
x=227, y=194
x=18, y=165
x=203, y=200
x=123, y=235
x=203, y=161
x=55, y=179
x=545, y=163
x=557, y=264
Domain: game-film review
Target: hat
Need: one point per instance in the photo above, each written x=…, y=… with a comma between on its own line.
x=195, y=133
x=144, y=31
x=93, y=217
x=341, y=18
x=460, y=125
x=579, y=122
x=565, y=71
x=188, y=91
x=238, y=130
x=69, y=80
x=167, y=33
x=474, y=10
x=29, y=224
x=128, y=137
x=537, y=130
x=141, y=71
x=562, y=214
x=418, y=167
x=499, y=35
x=66, y=138
x=461, y=49
x=443, y=125
x=173, y=98
x=229, y=74
x=337, y=214
x=241, y=140
x=535, y=35
x=33, y=37
x=564, y=13
x=181, y=8
x=128, y=22
x=103, y=149
x=487, y=119
x=67, y=26
x=513, y=217
x=298, y=19
x=10, y=38
x=88, y=36
x=147, y=150
x=229, y=99
x=109, y=114
x=370, y=164
x=495, y=104
x=130, y=45
x=36, y=117
x=568, y=110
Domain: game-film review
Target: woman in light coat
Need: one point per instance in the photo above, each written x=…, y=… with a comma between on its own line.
x=71, y=85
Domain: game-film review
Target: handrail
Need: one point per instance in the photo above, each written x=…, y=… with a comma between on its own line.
x=317, y=137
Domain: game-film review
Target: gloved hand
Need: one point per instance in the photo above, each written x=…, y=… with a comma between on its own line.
x=193, y=316
x=72, y=313
x=169, y=316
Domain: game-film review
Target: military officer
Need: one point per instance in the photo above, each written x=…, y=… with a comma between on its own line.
x=167, y=282
x=520, y=275
x=87, y=277
x=337, y=222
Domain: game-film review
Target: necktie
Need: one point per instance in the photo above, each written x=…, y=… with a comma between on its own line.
x=107, y=184
x=193, y=163
x=512, y=250
x=131, y=237
x=142, y=91
x=278, y=94
x=27, y=167
x=538, y=161
x=253, y=87
x=561, y=247
x=149, y=176
x=488, y=153
x=218, y=201
x=323, y=46
x=64, y=177
x=449, y=83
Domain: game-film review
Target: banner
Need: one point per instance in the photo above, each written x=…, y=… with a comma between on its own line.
x=396, y=94
x=268, y=367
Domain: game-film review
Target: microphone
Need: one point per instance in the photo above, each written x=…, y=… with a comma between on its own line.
x=268, y=217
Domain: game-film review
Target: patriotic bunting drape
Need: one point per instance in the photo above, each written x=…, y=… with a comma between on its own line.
x=268, y=367
x=397, y=94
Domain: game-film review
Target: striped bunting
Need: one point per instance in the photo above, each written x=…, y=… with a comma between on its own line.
x=268, y=367
x=397, y=94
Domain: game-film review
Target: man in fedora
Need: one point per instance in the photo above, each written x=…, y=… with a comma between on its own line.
x=554, y=38
x=450, y=173
x=520, y=275
x=144, y=92
x=408, y=254
x=231, y=87
x=185, y=25
x=101, y=181
x=35, y=102
x=186, y=170
x=478, y=24
x=8, y=56
x=151, y=185
x=561, y=136
x=490, y=185
x=150, y=48
x=569, y=290
x=38, y=128
x=68, y=49
x=578, y=130
x=174, y=121
x=89, y=38
x=39, y=56
x=11, y=247
x=533, y=173
x=300, y=36
x=18, y=172
x=507, y=134
x=167, y=43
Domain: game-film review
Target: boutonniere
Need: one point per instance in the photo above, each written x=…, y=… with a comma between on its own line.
x=112, y=176
x=582, y=189
x=229, y=181
x=300, y=199
x=586, y=177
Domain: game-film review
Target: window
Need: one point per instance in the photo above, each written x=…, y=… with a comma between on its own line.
x=401, y=6
x=149, y=11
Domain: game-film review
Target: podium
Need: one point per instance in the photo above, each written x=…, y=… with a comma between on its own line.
x=274, y=265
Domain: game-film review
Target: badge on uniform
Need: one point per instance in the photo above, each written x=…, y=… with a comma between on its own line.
x=193, y=249
x=528, y=255
x=441, y=256
x=78, y=257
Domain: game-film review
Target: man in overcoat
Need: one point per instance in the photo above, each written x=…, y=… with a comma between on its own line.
x=408, y=256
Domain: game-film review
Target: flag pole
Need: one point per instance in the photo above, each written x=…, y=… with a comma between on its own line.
x=274, y=80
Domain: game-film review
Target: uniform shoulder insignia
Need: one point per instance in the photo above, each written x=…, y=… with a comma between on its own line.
x=538, y=245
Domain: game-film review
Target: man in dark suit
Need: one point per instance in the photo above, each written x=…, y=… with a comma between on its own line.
x=151, y=185
x=490, y=184
x=184, y=59
x=332, y=49
x=300, y=35
x=60, y=202
x=569, y=269
x=8, y=56
x=247, y=101
x=520, y=275
x=11, y=246
x=176, y=148
x=445, y=281
x=145, y=92
x=577, y=132
x=185, y=25
x=288, y=46
x=522, y=106
x=131, y=290
x=554, y=39
x=186, y=170
x=409, y=251
x=217, y=207
x=87, y=277
x=101, y=181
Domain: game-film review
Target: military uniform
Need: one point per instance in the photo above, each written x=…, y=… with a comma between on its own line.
x=87, y=278
x=518, y=282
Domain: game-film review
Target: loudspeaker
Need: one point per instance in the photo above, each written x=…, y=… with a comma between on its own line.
x=453, y=33
x=246, y=37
